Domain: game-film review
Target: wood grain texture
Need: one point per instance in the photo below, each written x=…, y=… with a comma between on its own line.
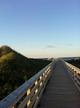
x=61, y=92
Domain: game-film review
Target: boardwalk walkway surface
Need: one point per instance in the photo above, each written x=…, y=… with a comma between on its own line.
x=61, y=92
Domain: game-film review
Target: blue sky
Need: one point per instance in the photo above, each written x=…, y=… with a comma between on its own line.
x=41, y=28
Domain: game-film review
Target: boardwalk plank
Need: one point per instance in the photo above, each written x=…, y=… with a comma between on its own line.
x=61, y=92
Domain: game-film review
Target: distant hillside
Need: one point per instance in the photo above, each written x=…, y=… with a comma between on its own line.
x=75, y=62
x=15, y=69
x=4, y=50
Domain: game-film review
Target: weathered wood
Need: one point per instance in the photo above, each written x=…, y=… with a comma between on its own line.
x=33, y=84
x=75, y=73
x=61, y=91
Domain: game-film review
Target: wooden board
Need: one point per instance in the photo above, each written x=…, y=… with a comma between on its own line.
x=61, y=92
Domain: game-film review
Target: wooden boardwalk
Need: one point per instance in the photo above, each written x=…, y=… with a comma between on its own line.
x=61, y=92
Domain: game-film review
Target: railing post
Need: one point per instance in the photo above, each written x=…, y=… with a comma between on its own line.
x=28, y=95
x=74, y=71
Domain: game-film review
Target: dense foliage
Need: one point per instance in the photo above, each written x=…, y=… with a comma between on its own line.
x=75, y=62
x=15, y=69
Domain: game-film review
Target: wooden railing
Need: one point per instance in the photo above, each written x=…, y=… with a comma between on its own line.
x=28, y=95
x=75, y=73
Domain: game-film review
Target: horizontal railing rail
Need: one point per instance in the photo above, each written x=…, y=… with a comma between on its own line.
x=28, y=95
x=75, y=73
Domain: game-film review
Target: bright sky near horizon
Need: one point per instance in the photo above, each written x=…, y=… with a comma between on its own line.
x=41, y=28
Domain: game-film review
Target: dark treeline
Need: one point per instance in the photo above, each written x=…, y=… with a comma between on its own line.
x=75, y=62
x=15, y=69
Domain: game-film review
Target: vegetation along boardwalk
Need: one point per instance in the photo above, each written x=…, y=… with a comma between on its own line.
x=61, y=91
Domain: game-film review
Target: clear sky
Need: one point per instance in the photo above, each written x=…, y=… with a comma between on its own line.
x=41, y=28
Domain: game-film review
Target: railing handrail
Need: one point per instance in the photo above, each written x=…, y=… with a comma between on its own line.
x=74, y=67
x=16, y=95
x=75, y=74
